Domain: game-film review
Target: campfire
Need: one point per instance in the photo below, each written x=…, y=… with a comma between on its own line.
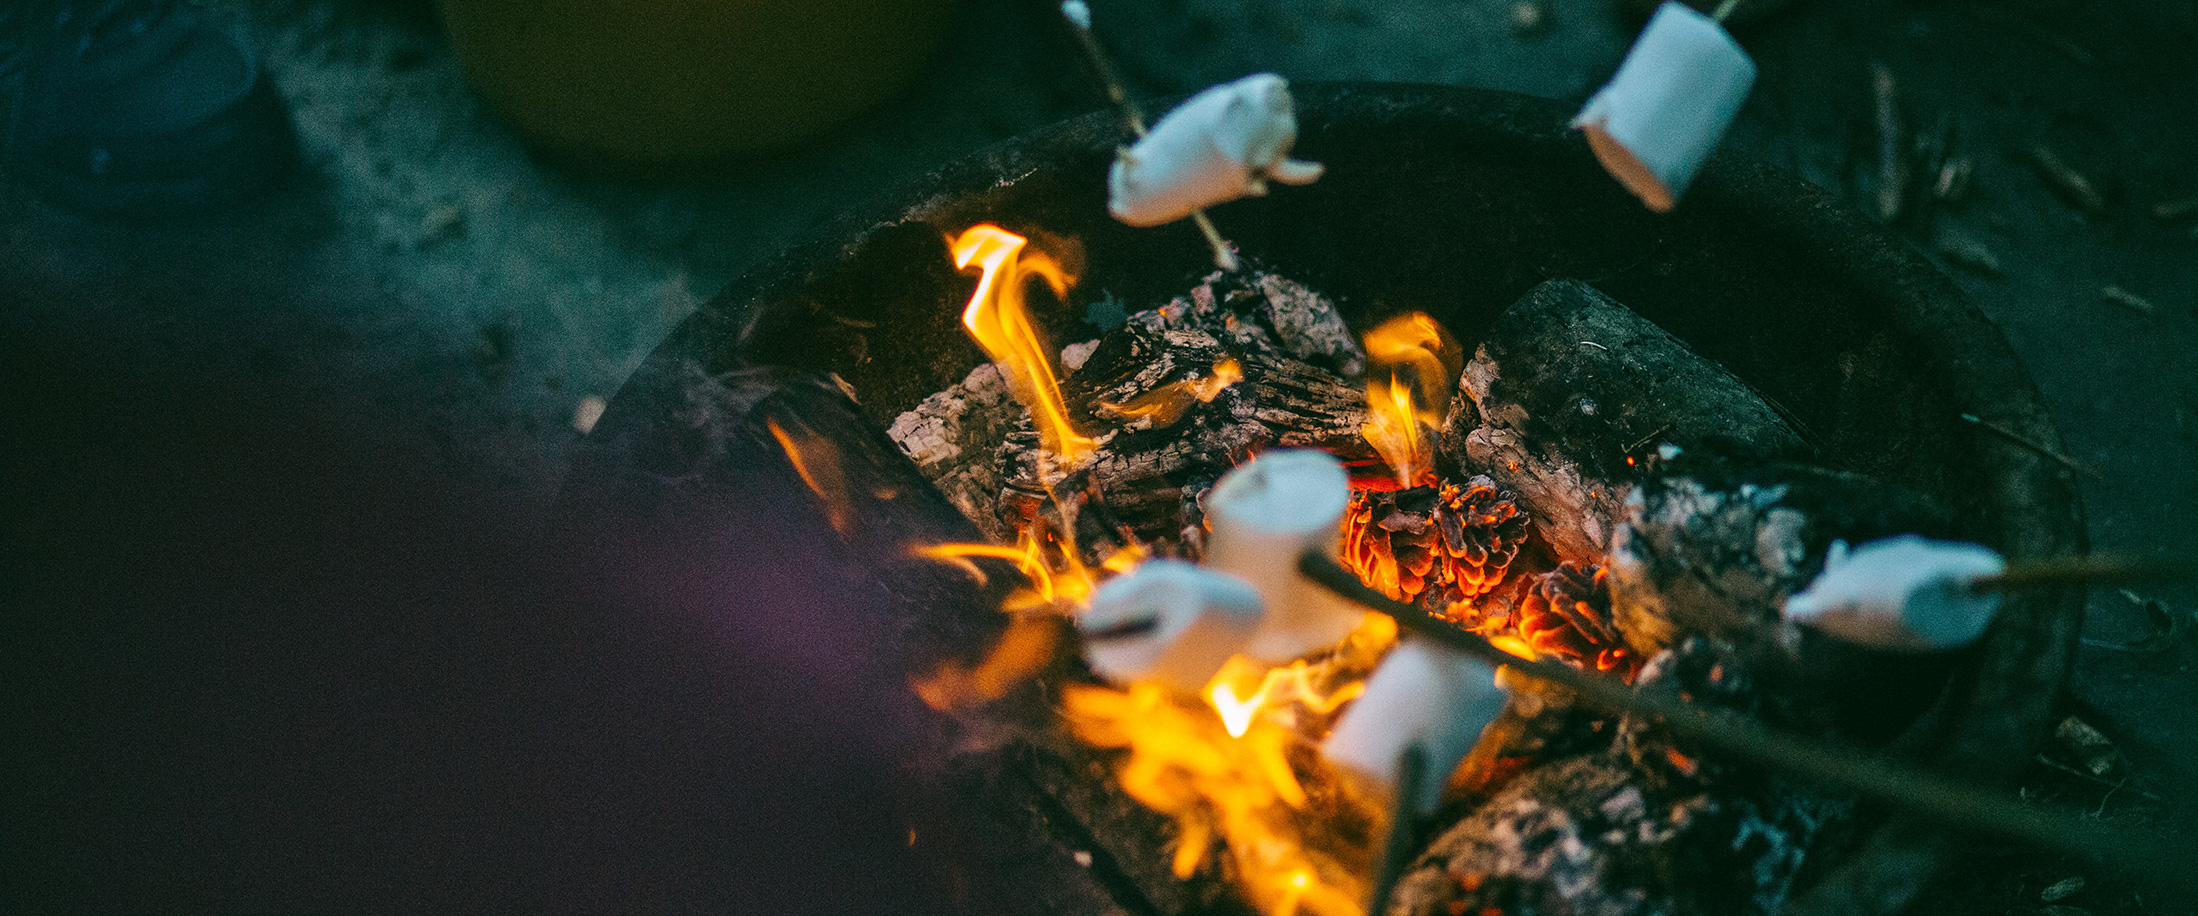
x=1144, y=678
x=1157, y=484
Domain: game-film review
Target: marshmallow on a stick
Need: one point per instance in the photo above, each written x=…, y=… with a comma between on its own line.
x=1421, y=694
x=1671, y=100
x=1170, y=621
x=1222, y=144
x=1905, y=592
x=1267, y=514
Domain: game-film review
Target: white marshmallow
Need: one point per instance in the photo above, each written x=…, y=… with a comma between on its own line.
x=1170, y=621
x=1669, y=103
x=1222, y=144
x=1267, y=514
x=1905, y=592
x=1421, y=694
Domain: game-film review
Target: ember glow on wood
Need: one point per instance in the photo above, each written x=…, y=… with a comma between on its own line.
x=1000, y=321
x=1670, y=102
x=1224, y=143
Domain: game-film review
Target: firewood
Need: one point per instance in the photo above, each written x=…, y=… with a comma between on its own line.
x=1637, y=827
x=1570, y=390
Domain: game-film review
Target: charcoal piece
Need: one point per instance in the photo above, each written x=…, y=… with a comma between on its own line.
x=1714, y=546
x=1568, y=385
x=1434, y=545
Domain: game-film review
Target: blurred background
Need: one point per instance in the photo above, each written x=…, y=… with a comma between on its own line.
x=289, y=371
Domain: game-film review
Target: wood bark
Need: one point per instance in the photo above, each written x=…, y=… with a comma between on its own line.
x=1571, y=391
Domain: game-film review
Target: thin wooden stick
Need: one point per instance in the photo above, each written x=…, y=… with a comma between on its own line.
x=2087, y=571
x=2034, y=445
x=1955, y=805
x=1078, y=16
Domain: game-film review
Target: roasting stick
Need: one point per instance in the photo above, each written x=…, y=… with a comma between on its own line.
x=1133, y=118
x=2087, y=571
x=1957, y=805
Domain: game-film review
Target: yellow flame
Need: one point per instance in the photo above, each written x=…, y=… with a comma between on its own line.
x=1223, y=769
x=999, y=320
x=1167, y=403
x=1413, y=367
x=1514, y=645
x=1057, y=577
x=1026, y=648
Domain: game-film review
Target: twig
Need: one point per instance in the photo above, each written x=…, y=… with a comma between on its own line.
x=2035, y=446
x=2087, y=777
x=1956, y=805
x=2129, y=300
x=1651, y=437
x=2175, y=209
x=1892, y=163
x=2073, y=186
x=1078, y=15
x=1724, y=10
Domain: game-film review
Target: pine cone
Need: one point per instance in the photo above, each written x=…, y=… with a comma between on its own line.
x=1434, y=545
x=1567, y=614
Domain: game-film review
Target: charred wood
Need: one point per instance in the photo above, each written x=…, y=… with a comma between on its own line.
x=1569, y=385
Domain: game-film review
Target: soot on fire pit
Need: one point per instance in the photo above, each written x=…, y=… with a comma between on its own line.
x=1585, y=487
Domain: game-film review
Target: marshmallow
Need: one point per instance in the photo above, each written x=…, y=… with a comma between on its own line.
x=1267, y=514
x=1421, y=694
x=1672, y=98
x=1224, y=143
x=1169, y=621
x=1904, y=592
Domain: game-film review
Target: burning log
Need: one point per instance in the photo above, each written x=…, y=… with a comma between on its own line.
x=1716, y=548
x=1570, y=390
x=1173, y=399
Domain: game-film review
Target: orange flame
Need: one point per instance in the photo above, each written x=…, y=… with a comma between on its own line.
x=1226, y=770
x=1414, y=365
x=817, y=461
x=1000, y=322
x=1167, y=403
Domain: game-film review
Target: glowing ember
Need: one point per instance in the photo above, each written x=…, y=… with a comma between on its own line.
x=999, y=320
x=1413, y=367
x=1166, y=404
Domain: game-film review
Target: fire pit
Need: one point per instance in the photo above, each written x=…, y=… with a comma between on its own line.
x=1444, y=201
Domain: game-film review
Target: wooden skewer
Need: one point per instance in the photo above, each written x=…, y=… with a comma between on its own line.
x=1956, y=805
x=2087, y=571
x=1078, y=16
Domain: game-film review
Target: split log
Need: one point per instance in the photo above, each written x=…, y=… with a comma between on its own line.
x=1636, y=828
x=1569, y=385
x=1714, y=547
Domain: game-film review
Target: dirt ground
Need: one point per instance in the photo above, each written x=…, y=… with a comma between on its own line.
x=255, y=460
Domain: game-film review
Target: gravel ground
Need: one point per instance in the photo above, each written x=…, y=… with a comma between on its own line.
x=321, y=412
